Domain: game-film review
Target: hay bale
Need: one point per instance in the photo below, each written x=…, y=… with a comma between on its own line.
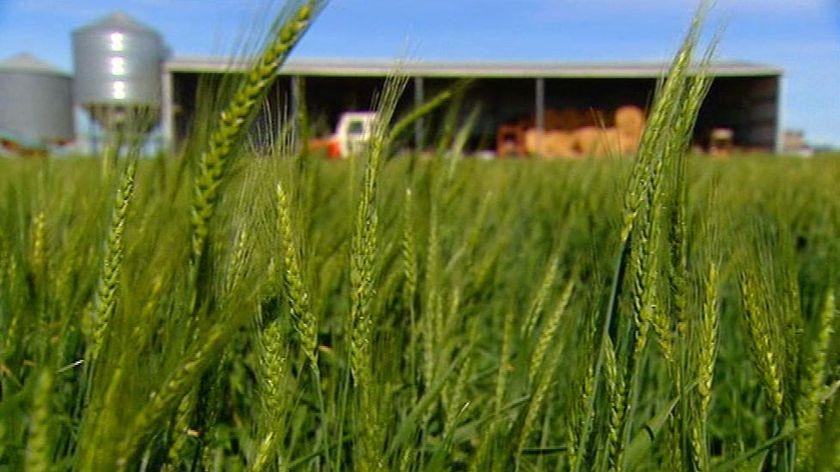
x=531, y=140
x=593, y=141
x=629, y=143
x=601, y=119
x=565, y=142
x=607, y=143
x=567, y=119
x=586, y=140
x=550, y=144
x=630, y=120
x=558, y=144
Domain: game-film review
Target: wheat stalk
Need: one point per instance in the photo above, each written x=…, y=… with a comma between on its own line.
x=304, y=319
x=547, y=335
x=231, y=125
x=432, y=303
x=538, y=398
x=761, y=340
x=112, y=265
x=582, y=414
x=813, y=383
x=273, y=377
x=504, y=358
x=409, y=250
x=616, y=399
x=38, y=254
x=364, y=244
x=541, y=296
x=39, y=445
x=706, y=347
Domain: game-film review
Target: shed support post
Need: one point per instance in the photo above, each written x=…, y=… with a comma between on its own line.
x=294, y=107
x=419, y=98
x=778, y=147
x=167, y=110
x=540, y=110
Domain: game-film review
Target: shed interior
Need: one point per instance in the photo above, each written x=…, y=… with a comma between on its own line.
x=747, y=105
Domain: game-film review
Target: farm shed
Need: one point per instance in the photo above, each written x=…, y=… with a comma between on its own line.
x=744, y=96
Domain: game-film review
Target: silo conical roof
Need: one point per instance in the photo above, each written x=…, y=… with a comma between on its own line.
x=25, y=62
x=118, y=21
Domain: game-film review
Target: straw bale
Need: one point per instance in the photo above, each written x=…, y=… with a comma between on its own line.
x=630, y=120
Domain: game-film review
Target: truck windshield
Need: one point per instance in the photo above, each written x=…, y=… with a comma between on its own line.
x=356, y=127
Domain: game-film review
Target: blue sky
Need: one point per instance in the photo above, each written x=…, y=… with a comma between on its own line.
x=801, y=36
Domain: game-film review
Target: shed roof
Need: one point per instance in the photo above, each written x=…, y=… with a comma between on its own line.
x=486, y=69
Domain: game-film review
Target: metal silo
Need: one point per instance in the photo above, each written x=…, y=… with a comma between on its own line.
x=35, y=100
x=117, y=65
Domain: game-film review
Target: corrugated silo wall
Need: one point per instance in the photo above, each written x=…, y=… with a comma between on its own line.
x=116, y=66
x=36, y=105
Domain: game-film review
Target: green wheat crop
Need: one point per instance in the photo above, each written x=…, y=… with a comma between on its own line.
x=243, y=305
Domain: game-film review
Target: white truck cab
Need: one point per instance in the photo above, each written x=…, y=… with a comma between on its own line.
x=354, y=131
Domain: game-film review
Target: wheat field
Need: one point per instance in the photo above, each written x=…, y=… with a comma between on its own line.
x=239, y=306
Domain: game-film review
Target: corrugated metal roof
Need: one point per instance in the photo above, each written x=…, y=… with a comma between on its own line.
x=118, y=21
x=377, y=68
x=25, y=62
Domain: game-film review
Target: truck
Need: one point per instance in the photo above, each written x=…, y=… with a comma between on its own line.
x=352, y=134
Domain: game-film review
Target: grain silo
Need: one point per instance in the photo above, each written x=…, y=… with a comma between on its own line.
x=35, y=100
x=117, y=63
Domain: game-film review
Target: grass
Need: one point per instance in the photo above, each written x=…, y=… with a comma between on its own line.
x=251, y=308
